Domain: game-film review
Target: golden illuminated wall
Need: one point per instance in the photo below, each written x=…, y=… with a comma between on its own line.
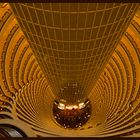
x=73, y=41
x=18, y=67
x=117, y=91
x=26, y=95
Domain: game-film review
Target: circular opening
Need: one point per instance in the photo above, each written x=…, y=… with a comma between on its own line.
x=71, y=115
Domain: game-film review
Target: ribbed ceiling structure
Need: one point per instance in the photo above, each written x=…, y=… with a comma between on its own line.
x=73, y=41
x=95, y=46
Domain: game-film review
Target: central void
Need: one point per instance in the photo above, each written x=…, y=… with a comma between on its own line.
x=71, y=115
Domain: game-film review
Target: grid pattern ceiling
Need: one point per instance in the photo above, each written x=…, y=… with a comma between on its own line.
x=73, y=41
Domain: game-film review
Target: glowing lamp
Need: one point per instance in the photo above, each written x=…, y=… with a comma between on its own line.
x=75, y=106
x=81, y=105
x=69, y=107
x=61, y=106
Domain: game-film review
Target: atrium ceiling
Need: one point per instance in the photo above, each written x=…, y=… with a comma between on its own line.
x=47, y=48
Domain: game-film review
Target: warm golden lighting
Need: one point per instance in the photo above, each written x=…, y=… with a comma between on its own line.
x=69, y=107
x=70, y=52
x=61, y=106
x=71, y=116
x=75, y=107
x=81, y=105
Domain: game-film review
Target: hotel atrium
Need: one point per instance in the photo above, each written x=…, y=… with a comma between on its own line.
x=69, y=69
